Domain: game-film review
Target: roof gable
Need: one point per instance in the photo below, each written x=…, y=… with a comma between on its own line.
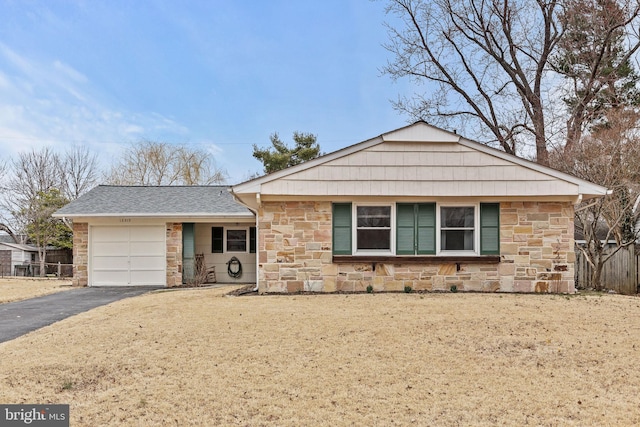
x=420, y=160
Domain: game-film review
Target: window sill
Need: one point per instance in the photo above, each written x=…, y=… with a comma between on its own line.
x=409, y=259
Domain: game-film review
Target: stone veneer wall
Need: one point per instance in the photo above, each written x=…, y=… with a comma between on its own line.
x=80, y=254
x=536, y=254
x=174, y=254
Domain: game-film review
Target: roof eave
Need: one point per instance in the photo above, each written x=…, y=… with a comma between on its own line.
x=154, y=215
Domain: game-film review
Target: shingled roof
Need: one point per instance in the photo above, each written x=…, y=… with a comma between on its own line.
x=161, y=201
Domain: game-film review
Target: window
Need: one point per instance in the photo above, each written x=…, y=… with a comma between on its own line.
x=457, y=228
x=415, y=229
x=373, y=228
x=236, y=240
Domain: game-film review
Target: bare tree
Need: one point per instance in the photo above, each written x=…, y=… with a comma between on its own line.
x=484, y=61
x=160, y=163
x=595, y=58
x=32, y=193
x=79, y=170
x=30, y=174
x=609, y=157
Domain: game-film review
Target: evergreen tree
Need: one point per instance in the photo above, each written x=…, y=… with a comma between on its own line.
x=280, y=156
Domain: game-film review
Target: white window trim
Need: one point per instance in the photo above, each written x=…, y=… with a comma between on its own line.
x=224, y=240
x=438, y=230
x=476, y=229
x=354, y=231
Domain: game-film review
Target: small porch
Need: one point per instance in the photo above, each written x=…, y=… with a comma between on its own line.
x=219, y=252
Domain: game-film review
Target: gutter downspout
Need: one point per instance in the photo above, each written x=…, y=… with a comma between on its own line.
x=255, y=212
x=68, y=223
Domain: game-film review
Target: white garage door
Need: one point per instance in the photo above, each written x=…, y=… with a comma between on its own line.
x=128, y=256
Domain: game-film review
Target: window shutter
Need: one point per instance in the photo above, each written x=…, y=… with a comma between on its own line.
x=217, y=238
x=342, y=228
x=489, y=228
x=426, y=222
x=405, y=229
x=252, y=240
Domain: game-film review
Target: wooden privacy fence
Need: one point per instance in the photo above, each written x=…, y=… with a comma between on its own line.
x=619, y=274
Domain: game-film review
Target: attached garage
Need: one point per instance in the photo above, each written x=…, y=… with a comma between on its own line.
x=151, y=236
x=127, y=256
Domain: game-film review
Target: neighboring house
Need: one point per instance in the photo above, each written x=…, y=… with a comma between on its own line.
x=131, y=236
x=17, y=259
x=417, y=207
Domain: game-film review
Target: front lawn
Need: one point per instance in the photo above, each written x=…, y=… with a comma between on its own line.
x=19, y=288
x=197, y=357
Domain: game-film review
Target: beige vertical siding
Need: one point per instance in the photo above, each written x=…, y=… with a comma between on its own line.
x=219, y=261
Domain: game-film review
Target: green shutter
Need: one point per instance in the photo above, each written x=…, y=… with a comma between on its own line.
x=217, y=238
x=252, y=240
x=489, y=228
x=188, y=252
x=426, y=224
x=342, y=228
x=405, y=229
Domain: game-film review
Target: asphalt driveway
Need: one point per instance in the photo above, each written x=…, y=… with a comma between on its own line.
x=21, y=317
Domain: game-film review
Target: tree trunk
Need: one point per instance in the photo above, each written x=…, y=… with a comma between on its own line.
x=43, y=255
x=596, y=275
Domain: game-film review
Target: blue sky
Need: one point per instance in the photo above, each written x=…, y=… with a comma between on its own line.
x=220, y=74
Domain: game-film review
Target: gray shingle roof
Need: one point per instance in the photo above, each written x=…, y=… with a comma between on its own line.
x=106, y=200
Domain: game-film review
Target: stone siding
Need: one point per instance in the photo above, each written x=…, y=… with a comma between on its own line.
x=80, y=254
x=174, y=254
x=295, y=240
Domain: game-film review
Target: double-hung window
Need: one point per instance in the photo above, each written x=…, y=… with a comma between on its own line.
x=373, y=228
x=457, y=228
x=416, y=229
x=236, y=240
x=233, y=239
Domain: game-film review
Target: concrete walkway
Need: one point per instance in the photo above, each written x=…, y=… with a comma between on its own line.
x=21, y=317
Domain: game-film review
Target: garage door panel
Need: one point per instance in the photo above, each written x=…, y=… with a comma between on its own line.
x=110, y=248
x=148, y=277
x=110, y=263
x=146, y=248
x=110, y=234
x=147, y=263
x=110, y=278
x=128, y=255
x=147, y=234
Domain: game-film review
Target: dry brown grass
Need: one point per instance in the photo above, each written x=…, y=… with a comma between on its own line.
x=199, y=358
x=19, y=288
